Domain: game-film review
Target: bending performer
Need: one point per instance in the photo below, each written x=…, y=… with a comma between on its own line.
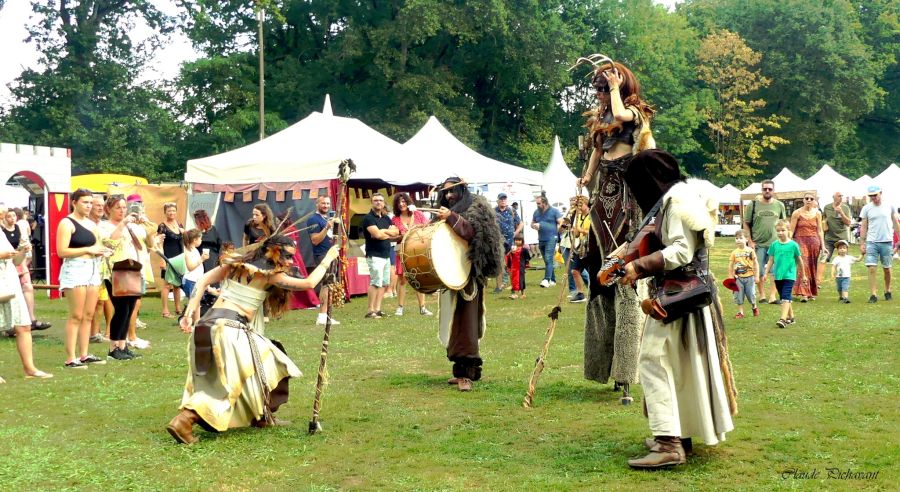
x=237, y=377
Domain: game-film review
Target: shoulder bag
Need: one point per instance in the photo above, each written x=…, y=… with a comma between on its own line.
x=6, y=289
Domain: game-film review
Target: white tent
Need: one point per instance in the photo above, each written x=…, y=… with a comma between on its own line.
x=436, y=154
x=827, y=181
x=788, y=181
x=889, y=180
x=559, y=180
x=861, y=184
x=753, y=188
x=729, y=194
x=308, y=150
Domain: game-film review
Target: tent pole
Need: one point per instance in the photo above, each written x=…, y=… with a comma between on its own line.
x=262, y=86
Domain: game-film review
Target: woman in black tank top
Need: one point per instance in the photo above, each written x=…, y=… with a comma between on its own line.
x=171, y=232
x=79, y=278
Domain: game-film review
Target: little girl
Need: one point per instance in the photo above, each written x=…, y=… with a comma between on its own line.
x=516, y=263
x=784, y=262
x=840, y=270
x=193, y=260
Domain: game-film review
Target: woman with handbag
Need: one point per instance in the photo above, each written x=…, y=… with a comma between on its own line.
x=79, y=277
x=14, y=310
x=238, y=377
x=123, y=272
x=684, y=366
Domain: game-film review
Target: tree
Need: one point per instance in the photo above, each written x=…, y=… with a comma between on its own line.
x=88, y=98
x=728, y=67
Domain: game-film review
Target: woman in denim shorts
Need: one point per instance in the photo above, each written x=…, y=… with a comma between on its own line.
x=79, y=278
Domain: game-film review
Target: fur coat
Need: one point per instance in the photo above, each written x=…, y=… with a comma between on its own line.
x=486, y=248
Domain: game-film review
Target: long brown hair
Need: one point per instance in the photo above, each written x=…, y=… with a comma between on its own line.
x=268, y=223
x=267, y=260
x=629, y=90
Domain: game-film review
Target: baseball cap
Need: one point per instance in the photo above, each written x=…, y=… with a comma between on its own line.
x=841, y=243
x=501, y=196
x=134, y=197
x=873, y=190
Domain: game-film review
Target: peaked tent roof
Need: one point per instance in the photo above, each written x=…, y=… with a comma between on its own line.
x=437, y=154
x=788, y=181
x=827, y=181
x=888, y=180
x=860, y=185
x=308, y=150
x=559, y=180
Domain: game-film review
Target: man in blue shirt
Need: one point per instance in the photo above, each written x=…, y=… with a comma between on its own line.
x=321, y=235
x=510, y=225
x=546, y=221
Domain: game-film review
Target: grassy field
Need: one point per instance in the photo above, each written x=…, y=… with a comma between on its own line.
x=821, y=394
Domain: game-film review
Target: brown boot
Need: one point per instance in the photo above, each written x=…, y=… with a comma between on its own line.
x=667, y=451
x=686, y=444
x=453, y=381
x=182, y=426
x=464, y=384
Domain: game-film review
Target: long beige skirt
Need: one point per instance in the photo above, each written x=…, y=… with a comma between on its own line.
x=229, y=394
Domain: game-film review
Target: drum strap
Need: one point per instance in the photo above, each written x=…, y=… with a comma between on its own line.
x=467, y=296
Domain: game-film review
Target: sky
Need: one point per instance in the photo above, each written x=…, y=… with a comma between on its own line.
x=16, y=13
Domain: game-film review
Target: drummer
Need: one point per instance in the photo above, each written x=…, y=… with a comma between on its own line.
x=379, y=233
x=405, y=218
x=462, y=312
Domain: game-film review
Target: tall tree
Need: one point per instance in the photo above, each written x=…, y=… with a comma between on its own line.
x=729, y=67
x=87, y=97
x=825, y=77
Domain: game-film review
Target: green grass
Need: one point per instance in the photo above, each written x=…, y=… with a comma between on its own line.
x=820, y=394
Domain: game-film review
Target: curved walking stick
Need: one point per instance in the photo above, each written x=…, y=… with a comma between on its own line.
x=334, y=279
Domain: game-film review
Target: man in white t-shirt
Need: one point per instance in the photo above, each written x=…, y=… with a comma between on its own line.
x=876, y=238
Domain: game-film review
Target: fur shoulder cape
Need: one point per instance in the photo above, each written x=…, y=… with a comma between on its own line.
x=486, y=248
x=698, y=210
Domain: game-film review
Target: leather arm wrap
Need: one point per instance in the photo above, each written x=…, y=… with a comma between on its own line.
x=649, y=265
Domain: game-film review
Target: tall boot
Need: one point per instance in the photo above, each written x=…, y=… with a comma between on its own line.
x=666, y=452
x=181, y=427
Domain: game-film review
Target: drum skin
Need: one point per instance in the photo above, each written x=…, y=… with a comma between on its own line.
x=434, y=258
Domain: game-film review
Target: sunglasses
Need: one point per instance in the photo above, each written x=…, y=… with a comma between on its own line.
x=768, y=189
x=873, y=196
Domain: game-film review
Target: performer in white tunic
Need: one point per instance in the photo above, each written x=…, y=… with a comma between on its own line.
x=684, y=366
x=238, y=377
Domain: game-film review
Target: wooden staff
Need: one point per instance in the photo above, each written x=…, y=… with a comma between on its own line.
x=335, y=291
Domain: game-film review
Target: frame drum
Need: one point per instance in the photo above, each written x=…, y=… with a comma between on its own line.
x=434, y=258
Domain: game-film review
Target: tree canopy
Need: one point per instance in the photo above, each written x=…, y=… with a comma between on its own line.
x=495, y=72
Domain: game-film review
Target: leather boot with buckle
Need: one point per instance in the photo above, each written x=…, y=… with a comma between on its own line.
x=182, y=426
x=667, y=451
x=464, y=384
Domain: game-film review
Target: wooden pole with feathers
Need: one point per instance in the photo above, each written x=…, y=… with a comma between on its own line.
x=334, y=279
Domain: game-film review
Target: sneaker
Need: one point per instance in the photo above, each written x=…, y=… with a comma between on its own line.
x=98, y=338
x=497, y=290
x=399, y=311
x=552, y=283
x=781, y=323
x=322, y=320
x=425, y=312
x=873, y=299
x=755, y=311
x=75, y=364
x=790, y=321
x=140, y=324
x=579, y=298
x=90, y=359
x=381, y=314
x=887, y=296
x=139, y=343
x=133, y=355
x=119, y=354
x=545, y=283
x=739, y=316
x=40, y=325
x=372, y=315
x=846, y=300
